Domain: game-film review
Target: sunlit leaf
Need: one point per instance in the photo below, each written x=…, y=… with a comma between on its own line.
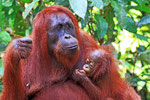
x=29, y=7
x=79, y=7
x=7, y=3
x=98, y=3
x=124, y=21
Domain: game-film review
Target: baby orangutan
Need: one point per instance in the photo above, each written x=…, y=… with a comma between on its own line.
x=89, y=76
x=101, y=80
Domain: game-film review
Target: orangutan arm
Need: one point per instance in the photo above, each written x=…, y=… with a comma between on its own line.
x=13, y=86
x=92, y=90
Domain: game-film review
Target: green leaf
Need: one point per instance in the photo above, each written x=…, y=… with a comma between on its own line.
x=130, y=25
x=98, y=3
x=141, y=49
x=29, y=7
x=145, y=56
x=62, y=2
x=1, y=88
x=124, y=21
x=142, y=37
x=110, y=15
x=106, y=2
x=109, y=18
x=84, y=21
x=144, y=20
x=79, y=7
x=146, y=1
x=140, y=2
x=7, y=3
x=1, y=68
x=38, y=8
x=26, y=1
x=2, y=17
x=11, y=11
x=144, y=8
x=101, y=27
x=147, y=75
x=4, y=40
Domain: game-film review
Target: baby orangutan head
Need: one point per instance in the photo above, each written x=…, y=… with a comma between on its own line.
x=97, y=64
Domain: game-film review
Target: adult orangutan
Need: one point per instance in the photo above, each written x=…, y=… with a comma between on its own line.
x=40, y=67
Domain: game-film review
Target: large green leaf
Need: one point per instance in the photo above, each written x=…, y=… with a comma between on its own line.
x=98, y=3
x=101, y=27
x=144, y=20
x=29, y=7
x=79, y=7
x=124, y=21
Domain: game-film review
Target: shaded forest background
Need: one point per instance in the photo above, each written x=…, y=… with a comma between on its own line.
x=123, y=23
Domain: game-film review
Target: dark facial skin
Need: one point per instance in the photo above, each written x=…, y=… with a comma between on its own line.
x=61, y=33
x=88, y=66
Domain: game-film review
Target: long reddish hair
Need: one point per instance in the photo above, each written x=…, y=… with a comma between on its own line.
x=39, y=34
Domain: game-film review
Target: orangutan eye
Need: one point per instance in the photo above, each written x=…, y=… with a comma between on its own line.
x=59, y=26
x=91, y=63
x=68, y=26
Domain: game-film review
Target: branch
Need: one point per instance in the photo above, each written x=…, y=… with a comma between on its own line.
x=107, y=11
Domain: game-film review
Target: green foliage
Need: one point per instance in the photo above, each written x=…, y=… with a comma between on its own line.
x=77, y=6
x=29, y=8
x=4, y=40
x=101, y=27
x=144, y=20
x=98, y=3
x=123, y=23
x=1, y=69
x=145, y=56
